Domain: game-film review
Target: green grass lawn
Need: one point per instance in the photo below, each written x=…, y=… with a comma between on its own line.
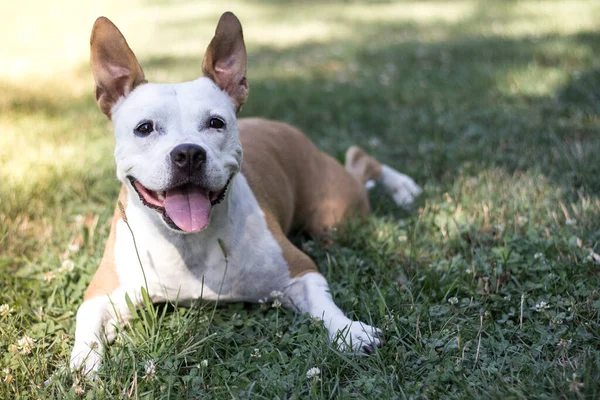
x=488, y=288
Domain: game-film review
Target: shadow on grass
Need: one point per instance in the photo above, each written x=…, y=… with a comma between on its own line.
x=433, y=109
x=429, y=109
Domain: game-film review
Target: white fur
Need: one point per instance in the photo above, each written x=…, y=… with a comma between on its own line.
x=97, y=322
x=402, y=187
x=176, y=265
x=185, y=267
x=88, y=347
x=310, y=294
x=180, y=112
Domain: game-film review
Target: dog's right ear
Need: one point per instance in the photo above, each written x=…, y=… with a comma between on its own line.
x=115, y=68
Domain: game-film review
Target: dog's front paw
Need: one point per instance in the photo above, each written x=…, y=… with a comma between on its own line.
x=357, y=337
x=85, y=360
x=402, y=187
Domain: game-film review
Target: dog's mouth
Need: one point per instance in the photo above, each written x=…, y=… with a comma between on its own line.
x=186, y=207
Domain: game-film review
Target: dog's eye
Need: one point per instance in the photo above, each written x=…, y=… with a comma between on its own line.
x=216, y=123
x=144, y=129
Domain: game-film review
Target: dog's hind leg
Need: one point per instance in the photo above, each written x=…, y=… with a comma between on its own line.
x=365, y=169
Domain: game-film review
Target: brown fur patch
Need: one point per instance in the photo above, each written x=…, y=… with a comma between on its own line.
x=297, y=186
x=106, y=280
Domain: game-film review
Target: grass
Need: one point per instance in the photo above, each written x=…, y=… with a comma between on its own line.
x=487, y=289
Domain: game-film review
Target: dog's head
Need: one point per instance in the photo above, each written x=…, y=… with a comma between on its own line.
x=177, y=145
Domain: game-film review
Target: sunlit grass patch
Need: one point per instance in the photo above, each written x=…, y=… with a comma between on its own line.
x=487, y=287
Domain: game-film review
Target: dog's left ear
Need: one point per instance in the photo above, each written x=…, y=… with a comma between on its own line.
x=225, y=59
x=115, y=67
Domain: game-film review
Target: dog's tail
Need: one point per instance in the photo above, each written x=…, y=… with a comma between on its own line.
x=366, y=169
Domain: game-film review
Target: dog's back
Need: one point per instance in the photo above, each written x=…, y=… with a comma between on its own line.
x=301, y=186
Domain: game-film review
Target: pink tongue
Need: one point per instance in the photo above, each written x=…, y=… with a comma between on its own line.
x=189, y=207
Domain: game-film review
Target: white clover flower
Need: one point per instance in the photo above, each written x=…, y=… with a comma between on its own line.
x=313, y=373
x=276, y=294
x=542, y=305
x=79, y=219
x=73, y=247
x=374, y=141
x=8, y=378
x=308, y=246
x=316, y=321
x=538, y=255
x=25, y=344
x=264, y=303
x=256, y=353
x=574, y=385
x=384, y=79
x=150, y=370
x=5, y=310
x=565, y=343
x=388, y=321
x=67, y=266
x=49, y=276
x=276, y=303
x=521, y=220
x=571, y=221
x=453, y=300
x=79, y=391
x=204, y=363
x=150, y=367
x=592, y=257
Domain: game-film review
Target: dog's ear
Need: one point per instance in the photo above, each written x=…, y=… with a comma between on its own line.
x=225, y=59
x=115, y=68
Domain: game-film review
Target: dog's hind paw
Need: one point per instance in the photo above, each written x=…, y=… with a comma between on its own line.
x=358, y=337
x=402, y=187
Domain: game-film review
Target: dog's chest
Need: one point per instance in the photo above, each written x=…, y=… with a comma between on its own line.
x=236, y=256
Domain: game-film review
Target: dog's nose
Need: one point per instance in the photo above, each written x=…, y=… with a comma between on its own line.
x=188, y=156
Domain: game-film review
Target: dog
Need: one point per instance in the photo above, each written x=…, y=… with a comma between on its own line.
x=195, y=223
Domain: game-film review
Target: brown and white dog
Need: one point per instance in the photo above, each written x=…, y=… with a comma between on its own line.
x=186, y=193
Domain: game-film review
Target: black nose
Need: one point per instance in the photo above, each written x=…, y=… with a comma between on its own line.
x=188, y=156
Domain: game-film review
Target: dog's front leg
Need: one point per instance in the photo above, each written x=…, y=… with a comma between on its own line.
x=310, y=293
x=97, y=321
x=88, y=348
